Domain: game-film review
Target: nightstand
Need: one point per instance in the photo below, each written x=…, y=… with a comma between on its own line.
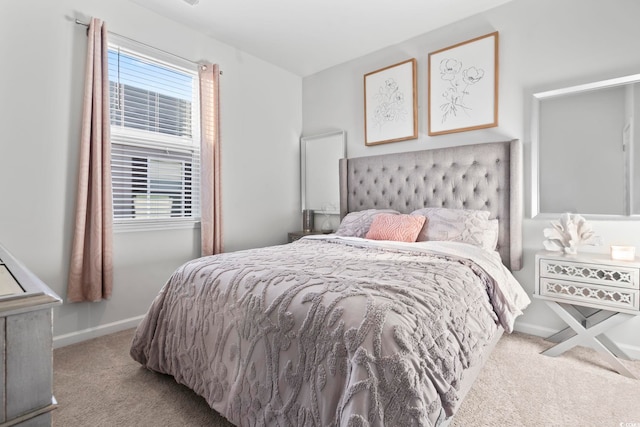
x=295, y=235
x=611, y=287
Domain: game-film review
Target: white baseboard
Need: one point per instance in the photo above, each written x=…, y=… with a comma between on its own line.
x=527, y=328
x=98, y=331
x=531, y=329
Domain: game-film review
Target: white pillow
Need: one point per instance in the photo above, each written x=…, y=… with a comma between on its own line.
x=357, y=224
x=459, y=225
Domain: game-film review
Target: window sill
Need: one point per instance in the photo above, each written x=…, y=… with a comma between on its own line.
x=124, y=226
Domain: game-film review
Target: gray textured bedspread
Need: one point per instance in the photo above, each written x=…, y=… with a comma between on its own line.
x=328, y=332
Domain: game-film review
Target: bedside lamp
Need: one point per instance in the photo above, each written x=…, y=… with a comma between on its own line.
x=307, y=220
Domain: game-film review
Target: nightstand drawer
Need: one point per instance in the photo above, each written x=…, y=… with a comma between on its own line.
x=597, y=274
x=590, y=294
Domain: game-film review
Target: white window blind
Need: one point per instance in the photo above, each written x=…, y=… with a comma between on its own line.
x=155, y=134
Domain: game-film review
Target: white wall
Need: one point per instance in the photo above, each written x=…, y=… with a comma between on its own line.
x=544, y=44
x=42, y=55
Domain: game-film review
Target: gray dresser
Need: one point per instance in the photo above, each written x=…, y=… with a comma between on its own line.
x=26, y=334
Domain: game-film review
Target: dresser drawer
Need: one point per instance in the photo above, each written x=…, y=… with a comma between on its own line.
x=597, y=274
x=588, y=294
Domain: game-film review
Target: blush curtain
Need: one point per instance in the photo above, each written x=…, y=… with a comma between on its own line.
x=91, y=267
x=210, y=197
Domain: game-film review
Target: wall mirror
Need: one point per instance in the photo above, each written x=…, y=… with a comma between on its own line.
x=584, y=150
x=320, y=182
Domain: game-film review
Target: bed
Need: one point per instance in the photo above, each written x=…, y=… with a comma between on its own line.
x=363, y=327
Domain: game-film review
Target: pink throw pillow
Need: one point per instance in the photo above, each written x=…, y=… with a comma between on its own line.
x=400, y=228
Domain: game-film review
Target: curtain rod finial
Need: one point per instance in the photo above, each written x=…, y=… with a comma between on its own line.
x=203, y=65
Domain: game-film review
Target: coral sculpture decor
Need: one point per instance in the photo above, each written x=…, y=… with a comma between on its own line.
x=570, y=231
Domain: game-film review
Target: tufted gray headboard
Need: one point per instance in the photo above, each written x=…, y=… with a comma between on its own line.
x=484, y=176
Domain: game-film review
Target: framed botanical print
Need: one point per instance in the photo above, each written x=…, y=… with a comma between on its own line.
x=463, y=86
x=391, y=104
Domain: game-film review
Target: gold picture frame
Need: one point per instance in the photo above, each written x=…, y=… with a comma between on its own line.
x=463, y=86
x=391, y=103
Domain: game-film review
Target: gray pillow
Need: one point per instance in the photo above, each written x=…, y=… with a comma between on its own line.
x=356, y=224
x=459, y=225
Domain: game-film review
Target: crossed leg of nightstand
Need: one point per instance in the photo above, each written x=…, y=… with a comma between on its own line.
x=586, y=331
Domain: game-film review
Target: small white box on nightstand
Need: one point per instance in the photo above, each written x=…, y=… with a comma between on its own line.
x=623, y=253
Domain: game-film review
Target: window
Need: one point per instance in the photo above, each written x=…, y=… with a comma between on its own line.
x=155, y=138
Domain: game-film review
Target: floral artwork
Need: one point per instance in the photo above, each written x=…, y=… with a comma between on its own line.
x=458, y=81
x=391, y=104
x=463, y=86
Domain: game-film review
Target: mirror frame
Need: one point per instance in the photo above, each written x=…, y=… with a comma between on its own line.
x=535, y=143
x=338, y=139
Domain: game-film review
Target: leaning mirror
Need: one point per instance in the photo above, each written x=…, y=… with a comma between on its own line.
x=583, y=149
x=320, y=183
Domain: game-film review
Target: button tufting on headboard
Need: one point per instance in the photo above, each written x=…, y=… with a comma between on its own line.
x=478, y=176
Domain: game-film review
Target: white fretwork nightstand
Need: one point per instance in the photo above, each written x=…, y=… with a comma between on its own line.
x=612, y=287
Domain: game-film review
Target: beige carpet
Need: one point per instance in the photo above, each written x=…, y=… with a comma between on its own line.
x=97, y=384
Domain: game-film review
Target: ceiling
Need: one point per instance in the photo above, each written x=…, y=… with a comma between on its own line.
x=307, y=36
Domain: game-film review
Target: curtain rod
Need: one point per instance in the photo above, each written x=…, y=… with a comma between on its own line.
x=78, y=22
